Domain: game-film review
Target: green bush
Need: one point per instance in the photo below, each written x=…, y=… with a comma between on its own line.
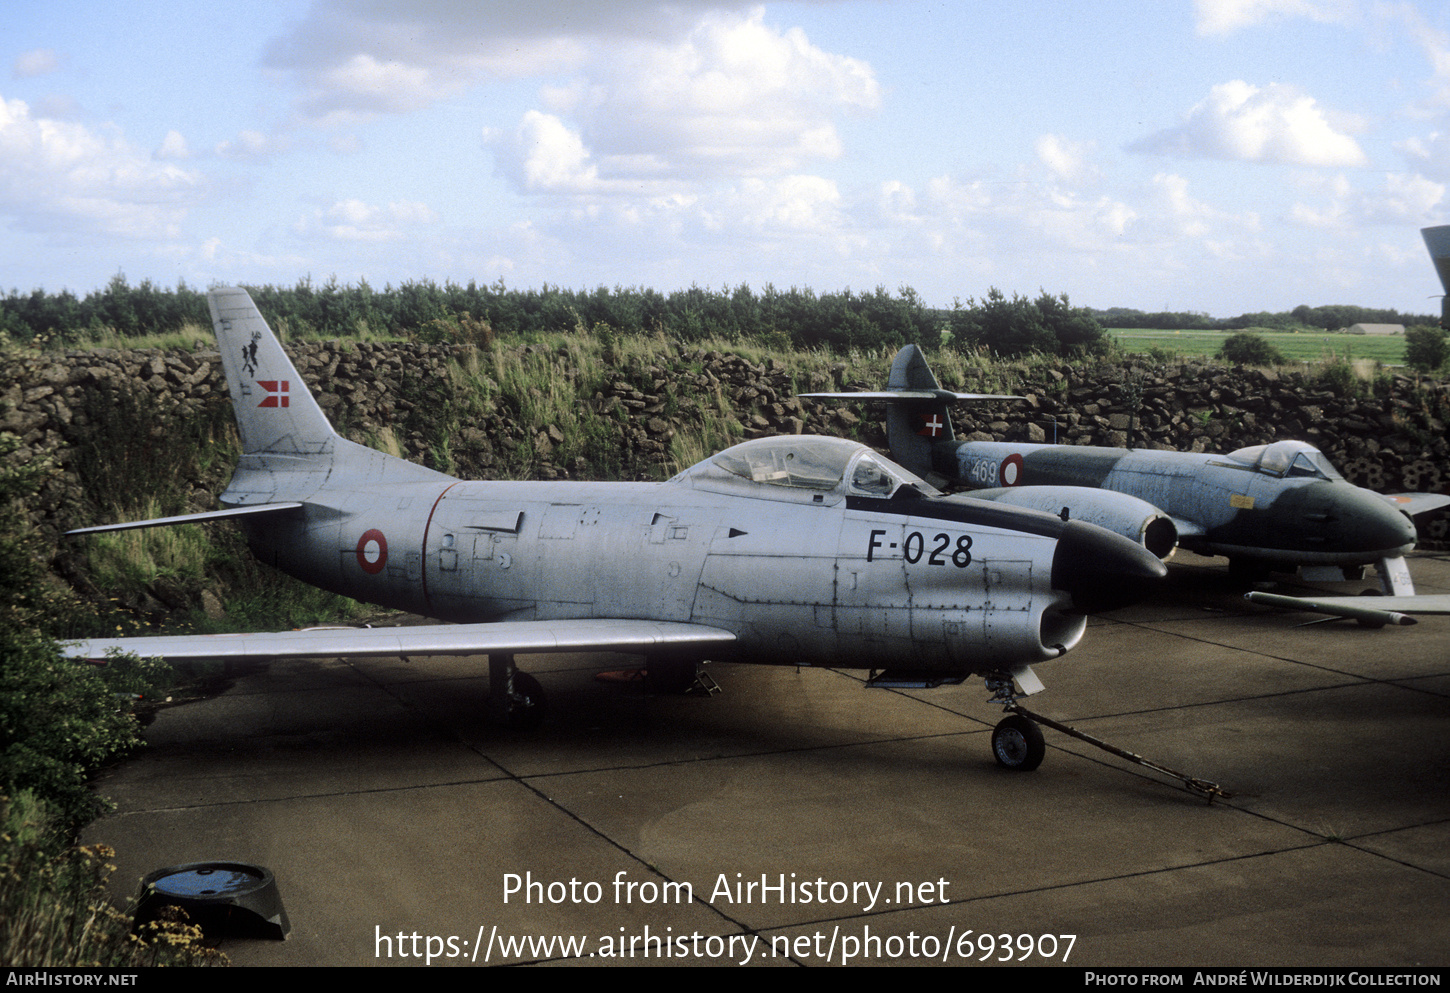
x=1426, y=347
x=1338, y=374
x=1247, y=348
x=59, y=719
x=55, y=910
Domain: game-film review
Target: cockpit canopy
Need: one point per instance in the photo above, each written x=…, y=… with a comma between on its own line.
x=802, y=469
x=1293, y=459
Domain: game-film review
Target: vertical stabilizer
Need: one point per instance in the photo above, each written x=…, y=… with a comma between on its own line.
x=1437, y=240
x=276, y=414
x=917, y=417
x=914, y=425
x=289, y=450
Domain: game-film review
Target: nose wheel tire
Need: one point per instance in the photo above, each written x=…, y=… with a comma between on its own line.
x=1017, y=743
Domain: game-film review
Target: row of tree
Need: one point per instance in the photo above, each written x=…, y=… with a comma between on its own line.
x=1048, y=325
x=799, y=317
x=1330, y=318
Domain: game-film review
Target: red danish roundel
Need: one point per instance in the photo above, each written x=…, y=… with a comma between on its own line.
x=372, y=552
x=1011, y=472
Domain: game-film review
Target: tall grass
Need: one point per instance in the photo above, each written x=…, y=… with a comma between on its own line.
x=120, y=558
x=55, y=910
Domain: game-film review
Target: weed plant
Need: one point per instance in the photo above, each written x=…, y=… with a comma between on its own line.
x=55, y=910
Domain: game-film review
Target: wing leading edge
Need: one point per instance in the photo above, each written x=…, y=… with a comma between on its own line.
x=1374, y=610
x=503, y=637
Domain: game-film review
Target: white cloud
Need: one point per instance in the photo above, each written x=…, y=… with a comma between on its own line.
x=791, y=203
x=1240, y=121
x=1405, y=200
x=251, y=145
x=36, y=62
x=58, y=176
x=896, y=204
x=735, y=96
x=357, y=58
x=1430, y=154
x=655, y=89
x=544, y=156
x=173, y=146
x=1222, y=17
x=1067, y=159
x=356, y=221
x=1049, y=217
x=1178, y=213
x=1433, y=42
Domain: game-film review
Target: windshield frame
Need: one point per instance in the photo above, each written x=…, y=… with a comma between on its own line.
x=804, y=468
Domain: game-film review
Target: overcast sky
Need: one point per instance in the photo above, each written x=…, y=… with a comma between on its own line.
x=1211, y=155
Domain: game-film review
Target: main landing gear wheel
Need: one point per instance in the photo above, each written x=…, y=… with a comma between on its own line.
x=526, y=703
x=515, y=699
x=1017, y=743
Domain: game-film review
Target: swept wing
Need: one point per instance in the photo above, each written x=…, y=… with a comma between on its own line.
x=502, y=637
x=1376, y=610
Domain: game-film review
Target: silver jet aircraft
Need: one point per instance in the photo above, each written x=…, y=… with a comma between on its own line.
x=1276, y=506
x=790, y=551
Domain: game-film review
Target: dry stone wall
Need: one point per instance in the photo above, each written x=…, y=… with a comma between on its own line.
x=68, y=410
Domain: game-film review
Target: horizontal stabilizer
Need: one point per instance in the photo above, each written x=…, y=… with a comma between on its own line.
x=210, y=515
x=1416, y=504
x=503, y=637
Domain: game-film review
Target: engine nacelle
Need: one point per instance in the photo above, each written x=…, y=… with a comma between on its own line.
x=1134, y=519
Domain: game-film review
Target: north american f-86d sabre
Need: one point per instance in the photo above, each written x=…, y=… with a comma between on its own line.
x=795, y=550
x=1275, y=506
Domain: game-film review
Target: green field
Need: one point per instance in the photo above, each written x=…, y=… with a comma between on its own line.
x=1296, y=346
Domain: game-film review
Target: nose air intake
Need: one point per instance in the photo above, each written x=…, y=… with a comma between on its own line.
x=1102, y=570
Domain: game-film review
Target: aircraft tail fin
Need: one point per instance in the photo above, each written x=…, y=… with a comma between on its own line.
x=289, y=448
x=276, y=413
x=1437, y=240
x=914, y=425
x=917, y=415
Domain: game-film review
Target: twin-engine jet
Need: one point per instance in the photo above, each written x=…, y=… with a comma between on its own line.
x=1276, y=506
x=789, y=551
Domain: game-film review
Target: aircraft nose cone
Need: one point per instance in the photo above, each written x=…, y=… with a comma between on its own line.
x=1102, y=570
x=1372, y=525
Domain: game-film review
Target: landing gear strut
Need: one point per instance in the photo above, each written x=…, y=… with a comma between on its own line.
x=515, y=699
x=1017, y=740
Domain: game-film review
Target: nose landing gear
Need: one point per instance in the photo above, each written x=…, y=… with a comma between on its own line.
x=1017, y=743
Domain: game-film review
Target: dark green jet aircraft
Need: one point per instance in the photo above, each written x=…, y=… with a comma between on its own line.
x=1279, y=506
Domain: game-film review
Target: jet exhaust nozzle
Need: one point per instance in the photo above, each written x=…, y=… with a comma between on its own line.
x=1102, y=570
